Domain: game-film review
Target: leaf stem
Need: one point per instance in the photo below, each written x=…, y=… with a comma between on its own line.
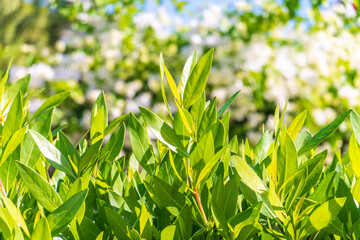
x=197, y=196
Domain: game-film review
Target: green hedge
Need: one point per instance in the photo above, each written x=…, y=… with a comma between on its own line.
x=185, y=179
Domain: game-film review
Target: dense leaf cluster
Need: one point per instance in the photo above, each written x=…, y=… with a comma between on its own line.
x=193, y=182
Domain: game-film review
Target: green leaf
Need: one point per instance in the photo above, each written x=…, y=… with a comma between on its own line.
x=4, y=79
x=63, y=215
x=100, y=236
x=15, y=214
x=142, y=149
x=314, y=168
x=325, y=190
x=202, y=154
x=262, y=147
x=218, y=131
x=145, y=220
x=196, y=83
x=172, y=163
x=246, y=218
x=52, y=154
x=13, y=143
x=163, y=132
x=354, y=155
x=30, y=153
x=179, y=126
x=20, y=86
x=39, y=188
x=115, y=144
x=7, y=223
x=89, y=229
x=9, y=172
x=50, y=102
x=13, y=120
x=42, y=230
x=90, y=154
x=185, y=118
x=227, y=104
x=248, y=176
x=323, y=215
x=209, y=165
x=208, y=119
x=356, y=190
x=204, y=151
x=252, y=180
x=58, y=129
x=289, y=166
x=197, y=110
x=98, y=126
x=188, y=68
x=302, y=139
x=171, y=82
x=297, y=124
x=184, y=222
x=32, y=94
x=324, y=133
x=230, y=197
x=162, y=85
x=168, y=233
x=219, y=219
x=355, y=124
x=67, y=149
x=119, y=226
x=168, y=196
x=114, y=123
x=350, y=212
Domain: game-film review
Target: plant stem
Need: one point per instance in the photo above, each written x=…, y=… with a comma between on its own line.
x=197, y=196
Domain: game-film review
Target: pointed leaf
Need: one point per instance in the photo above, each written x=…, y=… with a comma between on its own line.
x=196, y=83
x=162, y=86
x=13, y=120
x=297, y=124
x=13, y=143
x=117, y=224
x=114, y=123
x=354, y=155
x=15, y=214
x=39, y=188
x=115, y=144
x=227, y=104
x=63, y=215
x=163, y=131
x=140, y=144
x=324, y=133
x=30, y=153
x=168, y=233
x=51, y=102
x=172, y=83
x=323, y=215
x=42, y=230
x=52, y=154
x=188, y=67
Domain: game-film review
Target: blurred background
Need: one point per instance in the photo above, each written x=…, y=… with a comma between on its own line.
x=306, y=51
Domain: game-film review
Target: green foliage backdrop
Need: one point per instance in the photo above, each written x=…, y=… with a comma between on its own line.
x=185, y=177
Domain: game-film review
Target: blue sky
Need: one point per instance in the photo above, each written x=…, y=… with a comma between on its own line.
x=193, y=7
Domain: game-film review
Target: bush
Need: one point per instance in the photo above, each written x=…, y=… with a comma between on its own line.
x=191, y=183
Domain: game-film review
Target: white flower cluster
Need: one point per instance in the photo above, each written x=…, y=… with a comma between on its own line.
x=316, y=68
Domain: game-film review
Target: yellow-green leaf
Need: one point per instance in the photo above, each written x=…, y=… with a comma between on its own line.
x=172, y=83
x=297, y=124
x=354, y=155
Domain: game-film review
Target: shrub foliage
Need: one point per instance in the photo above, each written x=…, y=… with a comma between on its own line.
x=185, y=179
